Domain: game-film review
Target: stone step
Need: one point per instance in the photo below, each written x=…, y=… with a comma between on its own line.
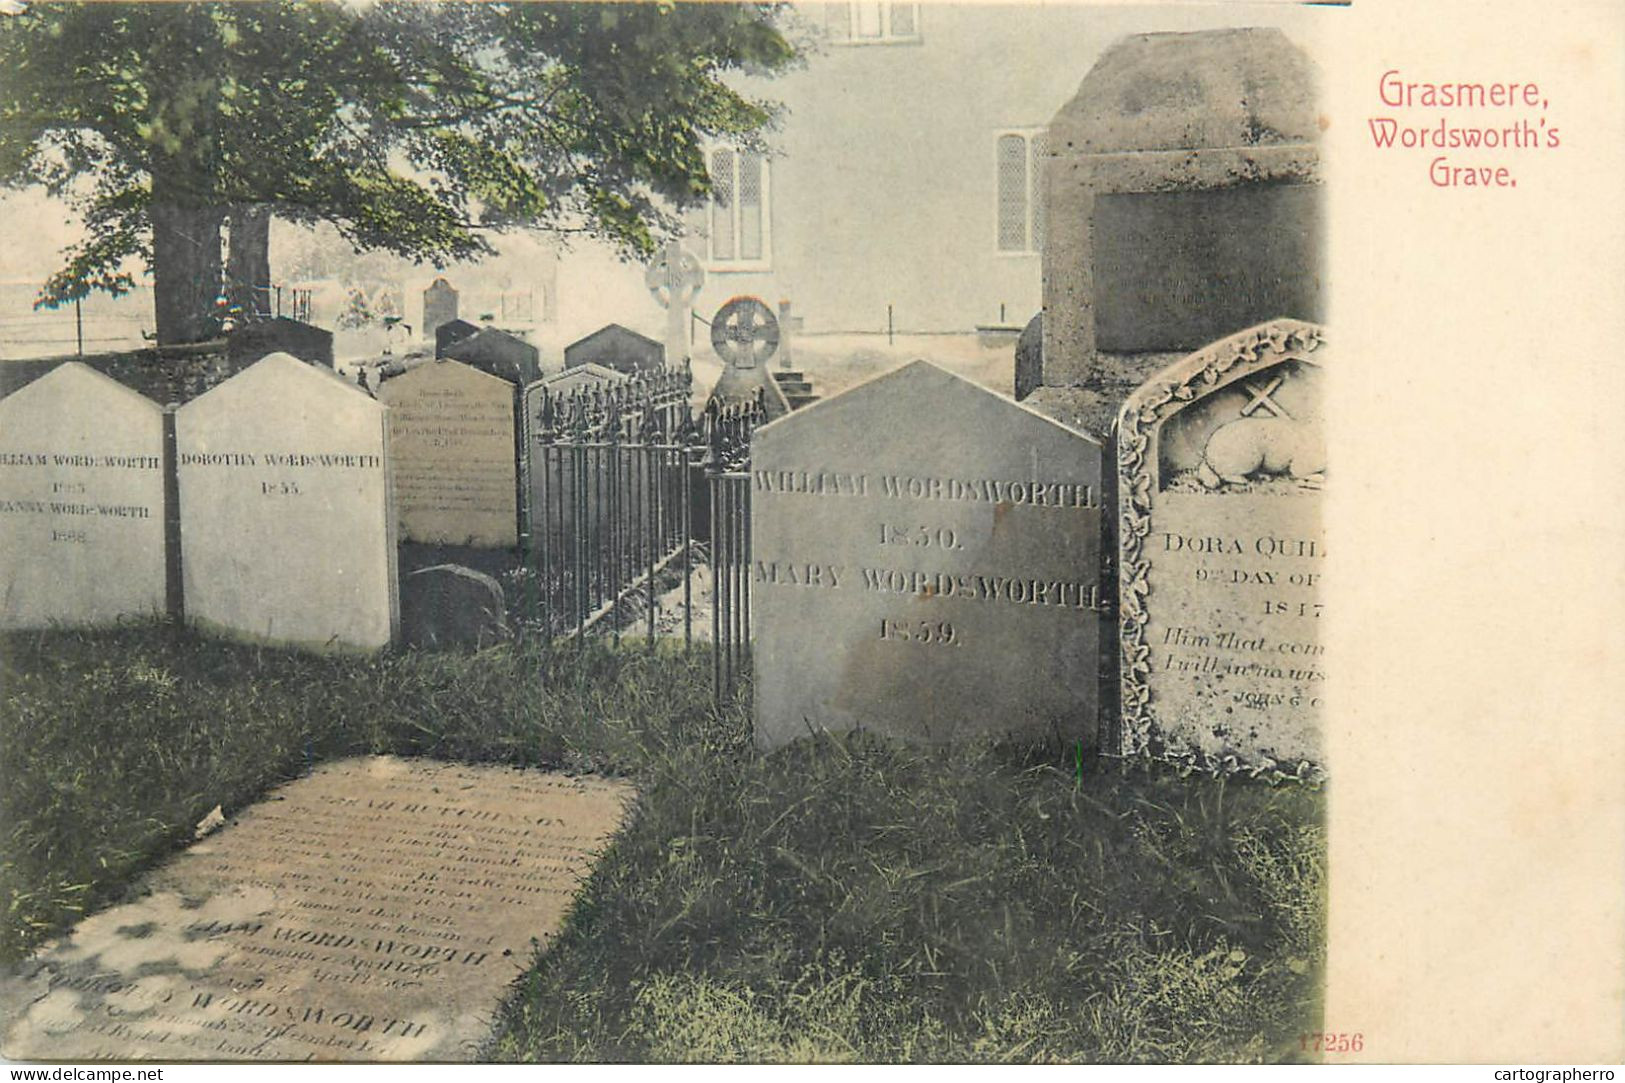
x=796, y=402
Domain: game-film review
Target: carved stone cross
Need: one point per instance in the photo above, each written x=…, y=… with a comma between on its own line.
x=674, y=280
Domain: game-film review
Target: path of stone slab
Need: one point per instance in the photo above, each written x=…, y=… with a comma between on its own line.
x=376, y=910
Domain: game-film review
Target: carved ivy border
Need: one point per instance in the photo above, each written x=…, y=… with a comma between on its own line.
x=1158, y=399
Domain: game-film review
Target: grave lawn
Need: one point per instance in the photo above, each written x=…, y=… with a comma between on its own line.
x=842, y=899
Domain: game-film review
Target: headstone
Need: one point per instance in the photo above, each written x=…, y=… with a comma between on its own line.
x=452, y=455
x=586, y=375
x=439, y=305
x=1030, y=357
x=674, y=279
x=281, y=335
x=448, y=605
x=1221, y=460
x=287, y=526
x=1183, y=204
x=450, y=332
x=926, y=562
x=376, y=910
x=81, y=502
x=499, y=353
x=618, y=348
x=744, y=334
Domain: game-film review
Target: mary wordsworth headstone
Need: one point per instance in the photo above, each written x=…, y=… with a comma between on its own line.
x=1222, y=554
x=925, y=563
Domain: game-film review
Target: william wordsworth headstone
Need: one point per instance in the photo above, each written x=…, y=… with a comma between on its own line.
x=377, y=910
x=926, y=564
x=287, y=527
x=81, y=502
x=1183, y=204
x=1221, y=464
x=452, y=455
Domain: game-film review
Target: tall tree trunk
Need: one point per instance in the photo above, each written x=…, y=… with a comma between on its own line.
x=248, y=259
x=185, y=270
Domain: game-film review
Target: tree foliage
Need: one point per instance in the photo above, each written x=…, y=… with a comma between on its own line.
x=416, y=127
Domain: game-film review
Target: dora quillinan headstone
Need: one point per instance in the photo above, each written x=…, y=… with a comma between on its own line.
x=925, y=563
x=1222, y=556
x=376, y=910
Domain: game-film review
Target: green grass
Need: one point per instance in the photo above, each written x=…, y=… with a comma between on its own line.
x=842, y=899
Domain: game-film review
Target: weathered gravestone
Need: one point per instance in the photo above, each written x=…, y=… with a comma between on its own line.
x=452, y=455
x=439, y=306
x=1030, y=357
x=81, y=502
x=281, y=335
x=616, y=347
x=926, y=564
x=377, y=910
x=287, y=526
x=499, y=353
x=588, y=375
x=1183, y=204
x=451, y=332
x=745, y=334
x=1221, y=460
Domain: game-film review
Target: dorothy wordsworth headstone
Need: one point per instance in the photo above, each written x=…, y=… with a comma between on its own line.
x=1221, y=465
x=286, y=522
x=452, y=455
x=1183, y=202
x=81, y=502
x=921, y=549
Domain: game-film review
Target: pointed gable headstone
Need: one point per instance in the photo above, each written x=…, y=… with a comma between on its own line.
x=925, y=563
x=287, y=526
x=81, y=502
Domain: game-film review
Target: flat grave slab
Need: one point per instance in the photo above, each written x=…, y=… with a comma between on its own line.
x=376, y=910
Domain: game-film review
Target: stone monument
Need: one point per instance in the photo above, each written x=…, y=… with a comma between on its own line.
x=1221, y=463
x=925, y=563
x=1183, y=203
x=82, y=508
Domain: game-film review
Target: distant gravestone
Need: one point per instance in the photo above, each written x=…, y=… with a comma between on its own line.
x=281, y=335
x=81, y=502
x=439, y=305
x=674, y=280
x=448, y=605
x=499, y=353
x=1030, y=357
x=744, y=334
x=926, y=561
x=287, y=527
x=376, y=910
x=1183, y=204
x=450, y=332
x=452, y=455
x=618, y=348
x=586, y=375
x=1221, y=459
